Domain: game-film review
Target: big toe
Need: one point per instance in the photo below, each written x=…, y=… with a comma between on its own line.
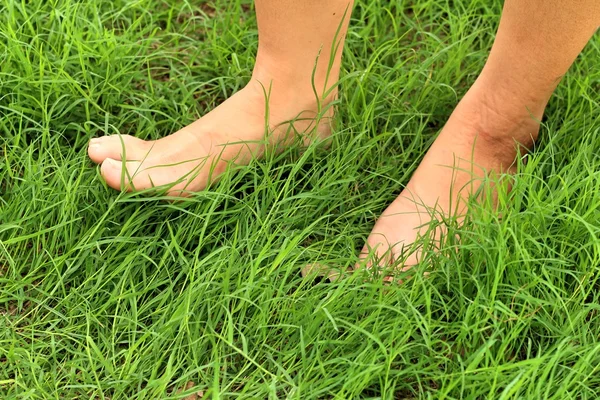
x=122, y=175
x=390, y=252
x=117, y=147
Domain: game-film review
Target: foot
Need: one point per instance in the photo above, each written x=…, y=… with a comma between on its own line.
x=480, y=139
x=235, y=132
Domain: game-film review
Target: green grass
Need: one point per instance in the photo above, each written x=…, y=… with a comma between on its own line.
x=112, y=296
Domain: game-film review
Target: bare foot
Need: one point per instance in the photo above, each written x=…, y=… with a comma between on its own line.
x=235, y=132
x=480, y=139
x=194, y=396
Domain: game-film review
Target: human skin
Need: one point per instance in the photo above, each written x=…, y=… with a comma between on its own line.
x=536, y=43
x=293, y=35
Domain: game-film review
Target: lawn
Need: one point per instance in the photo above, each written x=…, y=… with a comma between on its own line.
x=122, y=296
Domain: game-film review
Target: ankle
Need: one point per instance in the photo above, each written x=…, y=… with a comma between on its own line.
x=512, y=95
x=503, y=114
x=300, y=84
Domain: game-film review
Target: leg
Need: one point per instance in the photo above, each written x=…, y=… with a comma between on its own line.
x=537, y=42
x=291, y=34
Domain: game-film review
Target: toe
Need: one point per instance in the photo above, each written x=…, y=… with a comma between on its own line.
x=117, y=178
x=380, y=254
x=117, y=147
x=375, y=254
x=322, y=271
